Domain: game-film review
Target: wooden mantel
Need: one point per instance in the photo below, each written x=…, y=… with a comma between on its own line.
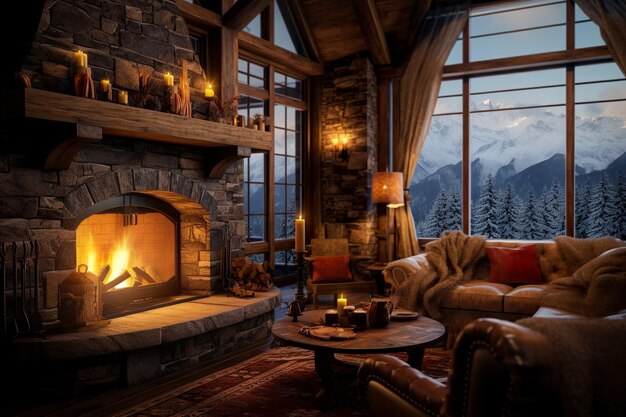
x=90, y=119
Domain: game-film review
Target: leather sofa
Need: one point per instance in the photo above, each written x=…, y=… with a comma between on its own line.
x=500, y=368
x=480, y=298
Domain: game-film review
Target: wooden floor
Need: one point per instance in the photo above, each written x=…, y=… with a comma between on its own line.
x=111, y=401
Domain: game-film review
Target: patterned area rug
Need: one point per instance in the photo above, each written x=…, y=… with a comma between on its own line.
x=280, y=382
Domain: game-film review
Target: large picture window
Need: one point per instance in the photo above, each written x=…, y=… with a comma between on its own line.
x=520, y=126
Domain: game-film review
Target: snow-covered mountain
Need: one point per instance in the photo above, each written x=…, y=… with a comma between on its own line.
x=517, y=139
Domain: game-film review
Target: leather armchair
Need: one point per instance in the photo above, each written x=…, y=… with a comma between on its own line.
x=498, y=368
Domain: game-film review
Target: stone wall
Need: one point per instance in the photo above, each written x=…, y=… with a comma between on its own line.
x=349, y=106
x=121, y=38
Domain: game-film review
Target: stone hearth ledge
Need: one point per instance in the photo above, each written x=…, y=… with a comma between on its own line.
x=154, y=327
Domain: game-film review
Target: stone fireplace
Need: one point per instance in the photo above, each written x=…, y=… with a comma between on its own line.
x=87, y=178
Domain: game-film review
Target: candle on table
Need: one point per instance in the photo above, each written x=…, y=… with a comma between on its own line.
x=122, y=97
x=341, y=303
x=300, y=235
x=80, y=59
x=208, y=91
x=105, y=84
x=169, y=79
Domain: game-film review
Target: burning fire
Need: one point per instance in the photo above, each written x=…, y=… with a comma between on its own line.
x=123, y=256
x=118, y=258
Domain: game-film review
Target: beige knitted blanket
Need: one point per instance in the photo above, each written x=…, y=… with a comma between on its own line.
x=452, y=259
x=597, y=285
x=591, y=363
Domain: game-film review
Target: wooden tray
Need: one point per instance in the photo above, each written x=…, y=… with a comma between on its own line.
x=328, y=333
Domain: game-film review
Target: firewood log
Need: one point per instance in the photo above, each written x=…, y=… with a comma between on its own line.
x=123, y=277
x=143, y=275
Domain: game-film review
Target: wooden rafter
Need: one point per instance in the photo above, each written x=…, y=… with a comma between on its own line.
x=419, y=12
x=373, y=32
x=242, y=13
x=298, y=17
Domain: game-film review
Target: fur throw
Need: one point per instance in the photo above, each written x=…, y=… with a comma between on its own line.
x=591, y=361
x=452, y=259
x=598, y=288
x=576, y=252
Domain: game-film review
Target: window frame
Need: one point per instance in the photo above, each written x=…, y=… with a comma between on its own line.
x=568, y=58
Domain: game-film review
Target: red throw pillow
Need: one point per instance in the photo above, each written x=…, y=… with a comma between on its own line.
x=331, y=269
x=514, y=265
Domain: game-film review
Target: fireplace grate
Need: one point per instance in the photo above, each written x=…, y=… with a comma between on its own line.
x=21, y=288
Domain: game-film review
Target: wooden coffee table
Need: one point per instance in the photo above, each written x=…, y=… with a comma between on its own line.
x=399, y=336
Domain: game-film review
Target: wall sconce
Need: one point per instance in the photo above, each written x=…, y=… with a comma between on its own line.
x=341, y=153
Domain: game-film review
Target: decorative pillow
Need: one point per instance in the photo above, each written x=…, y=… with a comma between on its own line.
x=331, y=269
x=514, y=265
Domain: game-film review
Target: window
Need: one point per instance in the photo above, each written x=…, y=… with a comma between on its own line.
x=252, y=74
x=254, y=192
x=270, y=218
x=517, y=132
x=287, y=176
x=600, y=151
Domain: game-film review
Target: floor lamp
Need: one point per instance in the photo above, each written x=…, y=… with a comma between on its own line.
x=388, y=188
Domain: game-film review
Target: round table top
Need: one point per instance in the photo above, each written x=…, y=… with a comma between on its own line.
x=397, y=336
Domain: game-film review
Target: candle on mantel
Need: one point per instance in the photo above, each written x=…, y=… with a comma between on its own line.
x=80, y=59
x=208, y=91
x=300, y=235
x=105, y=84
x=122, y=97
x=169, y=79
x=341, y=303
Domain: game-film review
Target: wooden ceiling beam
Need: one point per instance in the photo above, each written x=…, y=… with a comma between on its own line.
x=419, y=12
x=373, y=32
x=298, y=17
x=266, y=53
x=241, y=13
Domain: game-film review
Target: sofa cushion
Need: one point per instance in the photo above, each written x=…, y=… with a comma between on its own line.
x=514, y=265
x=550, y=261
x=523, y=299
x=332, y=268
x=477, y=295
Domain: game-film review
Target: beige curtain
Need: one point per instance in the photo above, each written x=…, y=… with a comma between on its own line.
x=419, y=88
x=610, y=15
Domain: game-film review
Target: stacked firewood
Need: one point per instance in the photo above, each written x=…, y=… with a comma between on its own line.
x=250, y=276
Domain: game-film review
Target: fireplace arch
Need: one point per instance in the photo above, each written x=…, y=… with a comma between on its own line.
x=186, y=202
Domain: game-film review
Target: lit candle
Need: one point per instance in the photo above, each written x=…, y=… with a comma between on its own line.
x=300, y=235
x=105, y=84
x=80, y=59
x=341, y=303
x=344, y=141
x=169, y=79
x=335, y=142
x=208, y=91
x=122, y=97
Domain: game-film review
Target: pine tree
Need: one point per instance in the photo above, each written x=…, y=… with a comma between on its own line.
x=601, y=209
x=508, y=214
x=453, y=210
x=532, y=226
x=619, y=220
x=486, y=214
x=436, y=217
x=583, y=199
x=553, y=202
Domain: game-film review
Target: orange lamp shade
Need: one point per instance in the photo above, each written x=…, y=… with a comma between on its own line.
x=387, y=187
